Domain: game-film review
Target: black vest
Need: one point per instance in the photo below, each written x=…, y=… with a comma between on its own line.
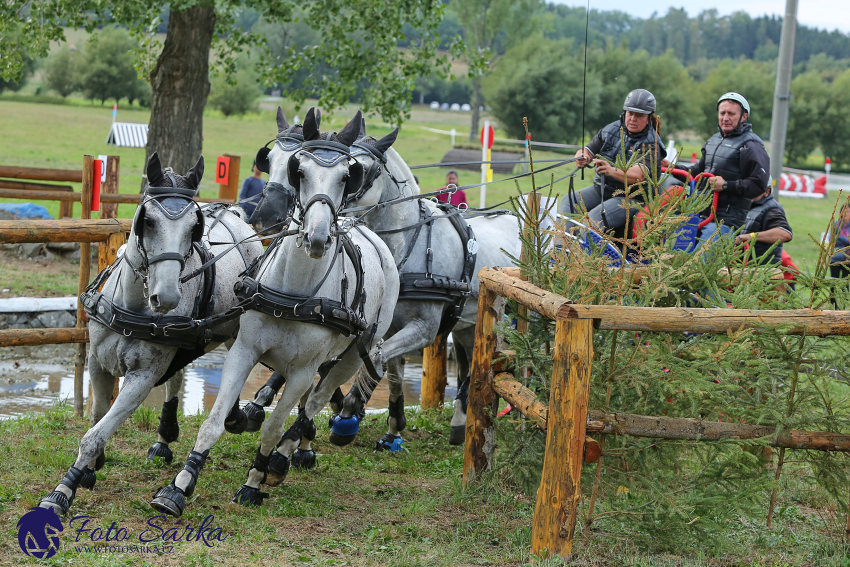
x=647, y=139
x=755, y=218
x=723, y=158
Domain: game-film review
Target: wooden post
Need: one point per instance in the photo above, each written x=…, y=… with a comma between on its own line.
x=482, y=397
x=106, y=253
x=231, y=190
x=110, y=187
x=434, y=374
x=85, y=274
x=560, y=486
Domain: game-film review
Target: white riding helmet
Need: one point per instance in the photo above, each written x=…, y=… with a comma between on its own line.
x=737, y=98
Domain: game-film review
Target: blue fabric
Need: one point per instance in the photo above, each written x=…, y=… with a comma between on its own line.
x=708, y=233
x=25, y=211
x=250, y=187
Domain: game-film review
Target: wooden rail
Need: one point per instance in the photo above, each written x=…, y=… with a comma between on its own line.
x=127, y=198
x=567, y=418
x=42, y=174
x=35, y=337
x=69, y=230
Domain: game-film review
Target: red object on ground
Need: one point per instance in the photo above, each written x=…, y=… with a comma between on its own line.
x=505, y=411
x=820, y=184
x=95, y=194
x=491, y=135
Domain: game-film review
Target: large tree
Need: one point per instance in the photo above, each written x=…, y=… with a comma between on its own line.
x=358, y=43
x=490, y=27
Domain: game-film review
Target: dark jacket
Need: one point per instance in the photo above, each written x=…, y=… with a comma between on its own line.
x=766, y=214
x=740, y=158
x=607, y=144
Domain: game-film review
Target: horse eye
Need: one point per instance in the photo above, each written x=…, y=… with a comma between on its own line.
x=149, y=222
x=301, y=173
x=346, y=177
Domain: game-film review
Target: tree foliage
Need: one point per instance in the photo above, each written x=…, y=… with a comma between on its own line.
x=60, y=71
x=106, y=71
x=235, y=99
x=684, y=496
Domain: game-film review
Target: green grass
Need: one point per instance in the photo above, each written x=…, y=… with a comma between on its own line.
x=357, y=507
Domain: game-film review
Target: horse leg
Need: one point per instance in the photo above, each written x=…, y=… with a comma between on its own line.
x=396, y=421
x=136, y=388
x=168, y=430
x=463, y=348
x=271, y=463
x=262, y=399
x=304, y=457
x=240, y=361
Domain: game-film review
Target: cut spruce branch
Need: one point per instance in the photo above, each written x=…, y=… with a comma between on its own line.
x=671, y=428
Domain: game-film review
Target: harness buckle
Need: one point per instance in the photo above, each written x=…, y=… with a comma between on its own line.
x=275, y=312
x=125, y=332
x=153, y=329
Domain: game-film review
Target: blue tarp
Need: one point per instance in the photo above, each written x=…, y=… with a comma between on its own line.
x=25, y=210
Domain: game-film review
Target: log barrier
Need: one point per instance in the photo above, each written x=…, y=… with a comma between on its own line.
x=567, y=418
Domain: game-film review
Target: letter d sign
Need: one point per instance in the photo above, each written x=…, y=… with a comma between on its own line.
x=222, y=170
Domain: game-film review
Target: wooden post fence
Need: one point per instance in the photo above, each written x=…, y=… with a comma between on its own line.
x=434, y=374
x=567, y=418
x=230, y=192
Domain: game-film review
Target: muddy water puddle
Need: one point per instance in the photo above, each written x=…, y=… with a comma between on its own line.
x=32, y=386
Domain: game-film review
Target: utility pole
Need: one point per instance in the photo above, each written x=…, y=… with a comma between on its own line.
x=782, y=95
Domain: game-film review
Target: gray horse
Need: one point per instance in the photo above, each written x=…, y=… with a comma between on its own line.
x=141, y=322
x=430, y=252
x=322, y=293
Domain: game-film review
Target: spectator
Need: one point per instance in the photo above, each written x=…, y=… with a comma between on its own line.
x=250, y=187
x=838, y=265
x=458, y=196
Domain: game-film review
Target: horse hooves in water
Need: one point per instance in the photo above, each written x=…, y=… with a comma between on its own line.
x=457, y=435
x=248, y=496
x=278, y=469
x=344, y=430
x=169, y=500
x=255, y=414
x=389, y=442
x=88, y=479
x=161, y=450
x=304, y=460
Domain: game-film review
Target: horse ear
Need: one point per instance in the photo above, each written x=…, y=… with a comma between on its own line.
x=384, y=143
x=154, y=171
x=318, y=118
x=282, y=124
x=362, y=133
x=194, y=175
x=348, y=134
x=311, y=126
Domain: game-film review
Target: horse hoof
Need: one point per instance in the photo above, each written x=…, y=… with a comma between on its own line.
x=389, y=442
x=248, y=496
x=169, y=500
x=239, y=423
x=255, y=414
x=100, y=461
x=304, y=460
x=161, y=450
x=458, y=435
x=344, y=430
x=88, y=479
x=56, y=501
x=278, y=469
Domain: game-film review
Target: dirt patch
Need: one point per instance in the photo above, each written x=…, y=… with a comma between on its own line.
x=38, y=277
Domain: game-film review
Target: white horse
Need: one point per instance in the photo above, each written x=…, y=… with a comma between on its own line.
x=329, y=303
x=430, y=252
x=141, y=323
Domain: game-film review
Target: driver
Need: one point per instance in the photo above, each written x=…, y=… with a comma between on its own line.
x=739, y=162
x=605, y=200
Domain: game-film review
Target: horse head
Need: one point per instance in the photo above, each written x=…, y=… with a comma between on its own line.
x=323, y=173
x=372, y=155
x=278, y=200
x=167, y=224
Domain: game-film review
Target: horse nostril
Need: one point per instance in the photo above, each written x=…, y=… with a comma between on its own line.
x=154, y=300
x=329, y=242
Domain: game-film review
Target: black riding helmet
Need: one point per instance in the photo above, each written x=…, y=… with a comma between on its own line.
x=640, y=101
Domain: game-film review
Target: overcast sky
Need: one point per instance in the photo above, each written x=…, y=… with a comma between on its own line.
x=823, y=14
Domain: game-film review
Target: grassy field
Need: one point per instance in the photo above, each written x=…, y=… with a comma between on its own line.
x=356, y=508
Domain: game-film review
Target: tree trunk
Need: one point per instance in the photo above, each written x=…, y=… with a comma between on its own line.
x=477, y=102
x=181, y=85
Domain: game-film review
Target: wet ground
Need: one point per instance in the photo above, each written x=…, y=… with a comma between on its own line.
x=28, y=385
